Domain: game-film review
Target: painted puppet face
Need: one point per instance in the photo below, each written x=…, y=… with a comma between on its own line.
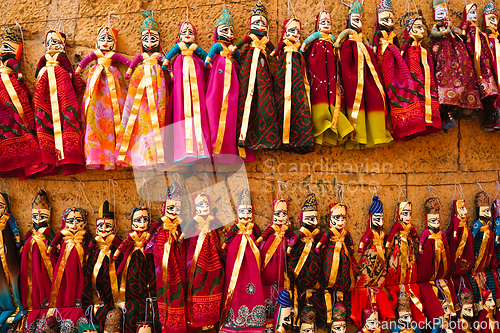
x=225, y=32
x=9, y=47
x=325, y=22
x=491, y=21
x=405, y=317
x=143, y=328
x=339, y=327
x=140, y=220
x=356, y=21
x=472, y=14
x=40, y=217
x=307, y=328
x=446, y=308
x=372, y=321
x=258, y=23
x=386, y=20
x=310, y=218
x=202, y=206
x=485, y=212
x=489, y=303
x=441, y=13
x=338, y=217
x=151, y=41
x=377, y=219
x=3, y=206
x=104, y=227
x=405, y=215
x=433, y=220
x=462, y=211
x=292, y=32
x=245, y=213
x=280, y=215
x=75, y=222
x=106, y=41
x=53, y=43
x=467, y=311
x=285, y=319
x=417, y=30
x=172, y=209
x=187, y=33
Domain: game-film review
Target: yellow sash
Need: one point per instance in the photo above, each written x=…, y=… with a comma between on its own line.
x=72, y=241
x=308, y=239
x=479, y=265
x=259, y=45
x=105, y=251
x=439, y=253
x=279, y=232
x=427, y=80
x=139, y=242
x=104, y=62
x=191, y=97
x=145, y=84
x=337, y=238
x=4, y=75
x=50, y=65
x=171, y=226
x=37, y=237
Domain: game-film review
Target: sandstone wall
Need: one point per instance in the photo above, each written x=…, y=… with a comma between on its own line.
x=466, y=154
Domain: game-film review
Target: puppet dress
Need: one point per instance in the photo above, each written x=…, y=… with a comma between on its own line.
x=37, y=270
x=368, y=118
x=222, y=103
x=11, y=307
x=100, y=275
x=102, y=105
x=421, y=67
x=137, y=272
x=401, y=255
x=67, y=283
x=58, y=121
x=191, y=132
x=205, y=274
x=294, y=118
x=243, y=301
x=455, y=76
x=139, y=142
x=326, y=95
x=272, y=256
x=170, y=282
x=461, y=245
x=257, y=113
x=18, y=144
x=406, y=117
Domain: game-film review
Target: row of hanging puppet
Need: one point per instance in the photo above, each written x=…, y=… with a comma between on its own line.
x=249, y=284
x=225, y=105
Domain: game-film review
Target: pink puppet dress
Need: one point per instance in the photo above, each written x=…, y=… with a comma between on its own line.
x=369, y=287
x=37, y=266
x=277, y=236
x=421, y=66
x=18, y=144
x=434, y=263
x=103, y=101
x=477, y=44
x=403, y=103
x=340, y=267
x=205, y=273
x=59, y=129
x=170, y=263
x=244, y=308
x=222, y=93
x=67, y=283
x=140, y=141
x=191, y=128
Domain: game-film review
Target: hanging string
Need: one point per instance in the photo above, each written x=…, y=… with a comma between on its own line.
x=112, y=184
x=187, y=12
x=482, y=189
x=124, y=311
x=22, y=39
x=444, y=294
x=58, y=315
x=150, y=301
x=279, y=194
x=461, y=193
x=43, y=184
x=461, y=285
x=290, y=7
x=89, y=314
x=81, y=185
x=311, y=191
x=375, y=190
x=498, y=189
x=401, y=192
x=416, y=7
x=323, y=6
